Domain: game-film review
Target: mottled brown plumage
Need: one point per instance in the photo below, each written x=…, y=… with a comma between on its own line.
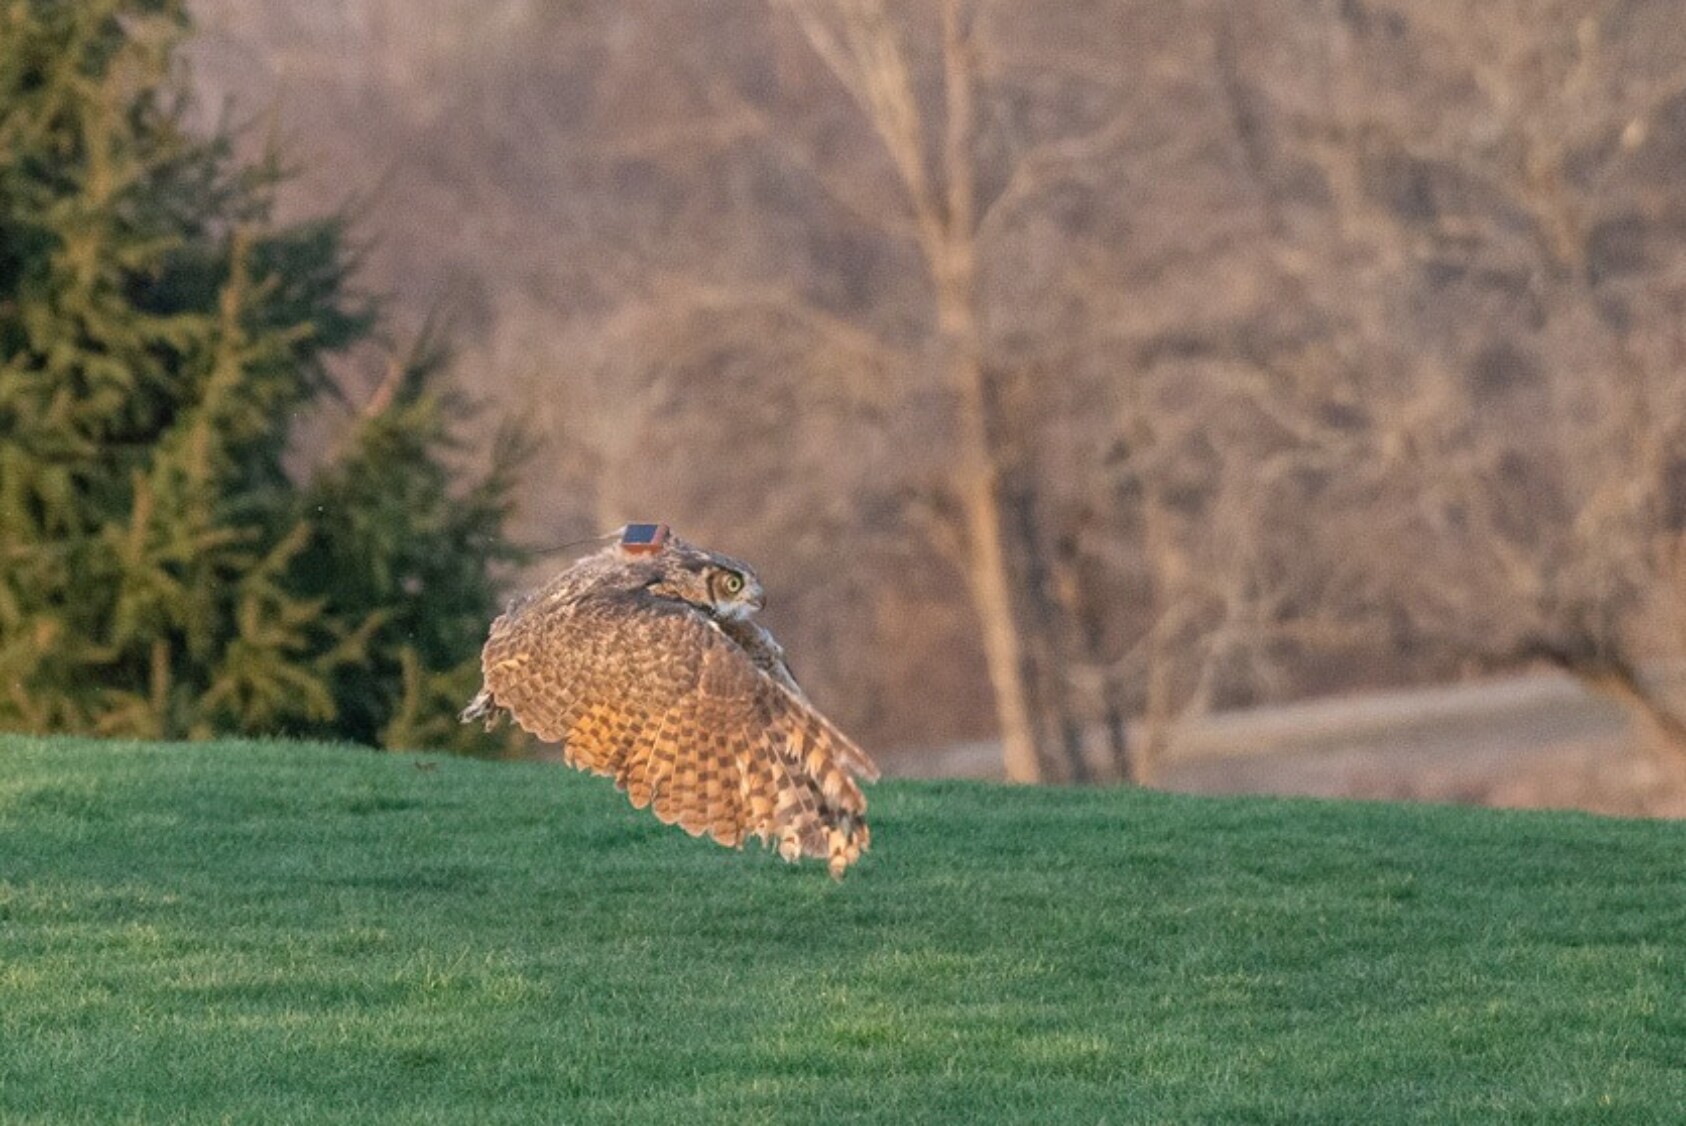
x=648, y=669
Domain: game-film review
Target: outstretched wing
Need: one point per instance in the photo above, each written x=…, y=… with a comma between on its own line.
x=763, y=652
x=657, y=696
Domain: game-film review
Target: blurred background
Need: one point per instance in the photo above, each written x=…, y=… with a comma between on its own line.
x=1279, y=396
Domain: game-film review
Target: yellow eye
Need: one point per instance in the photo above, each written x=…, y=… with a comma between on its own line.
x=733, y=582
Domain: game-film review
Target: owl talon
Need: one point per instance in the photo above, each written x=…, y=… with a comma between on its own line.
x=791, y=849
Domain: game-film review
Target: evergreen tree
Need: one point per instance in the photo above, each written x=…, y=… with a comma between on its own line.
x=160, y=574
x=396, y=537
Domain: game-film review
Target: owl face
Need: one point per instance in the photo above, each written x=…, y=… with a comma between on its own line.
x=733, y=591
x=721, y=585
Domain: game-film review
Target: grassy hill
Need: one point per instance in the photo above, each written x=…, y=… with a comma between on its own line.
x=270, y=931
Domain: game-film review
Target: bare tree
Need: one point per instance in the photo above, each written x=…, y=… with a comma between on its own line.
x=1516, y=475
x=990, y=492
x=858, y=42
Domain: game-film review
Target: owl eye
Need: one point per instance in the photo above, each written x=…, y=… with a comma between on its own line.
x=732, y=583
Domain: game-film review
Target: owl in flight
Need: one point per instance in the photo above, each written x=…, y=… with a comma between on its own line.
x=643, y=662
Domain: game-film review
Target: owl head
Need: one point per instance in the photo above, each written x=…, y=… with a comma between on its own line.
x=719, y=584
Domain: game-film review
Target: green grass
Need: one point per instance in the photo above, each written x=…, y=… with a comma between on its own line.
x=272, y=932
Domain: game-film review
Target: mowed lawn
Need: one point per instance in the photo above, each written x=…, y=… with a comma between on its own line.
x=274, y=931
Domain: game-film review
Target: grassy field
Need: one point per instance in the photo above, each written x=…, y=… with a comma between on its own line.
x=272, y=932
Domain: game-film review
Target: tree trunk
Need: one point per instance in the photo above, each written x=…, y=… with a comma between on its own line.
x=978, y=483
x=989, y=580
x=1621, y=682
x=953, y=263
x=1084, y=614
x=870, y=62
x=1046, y=624
x=1123, y=760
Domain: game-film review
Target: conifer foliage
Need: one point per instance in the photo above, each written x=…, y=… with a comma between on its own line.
x=161, y=574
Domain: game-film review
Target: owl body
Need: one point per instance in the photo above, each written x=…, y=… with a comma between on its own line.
x=647, y=667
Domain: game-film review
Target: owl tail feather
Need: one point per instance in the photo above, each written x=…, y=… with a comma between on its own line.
x=481, y=707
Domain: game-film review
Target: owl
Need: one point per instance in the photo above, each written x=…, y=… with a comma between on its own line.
x=644, y=662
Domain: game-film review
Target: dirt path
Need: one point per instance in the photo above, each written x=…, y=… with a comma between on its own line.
x=1529, y=741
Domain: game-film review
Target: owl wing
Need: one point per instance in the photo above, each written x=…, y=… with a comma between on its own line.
x=764, y=653
x=657, y=696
